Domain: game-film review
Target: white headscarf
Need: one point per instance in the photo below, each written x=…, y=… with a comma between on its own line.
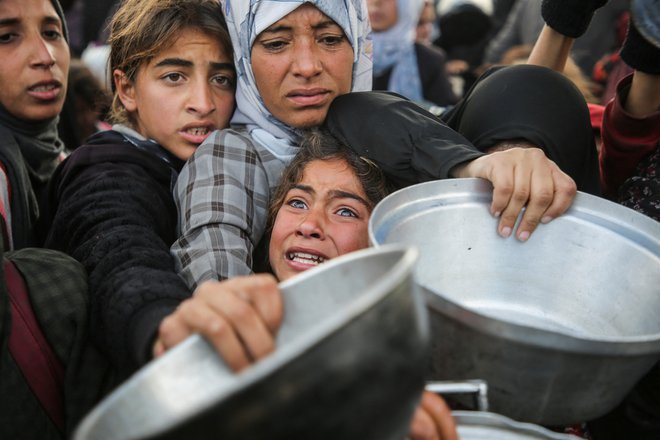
x=246, y=19
x=394, y=48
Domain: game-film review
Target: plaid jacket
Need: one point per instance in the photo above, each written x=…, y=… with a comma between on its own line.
x=222, y=194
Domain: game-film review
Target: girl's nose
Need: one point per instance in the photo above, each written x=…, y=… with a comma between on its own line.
x=200, y=100
x=311, y=226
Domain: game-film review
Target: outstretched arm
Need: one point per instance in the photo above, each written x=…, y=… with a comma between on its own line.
x=565, y=20
x=239, y=317
x=551, y=49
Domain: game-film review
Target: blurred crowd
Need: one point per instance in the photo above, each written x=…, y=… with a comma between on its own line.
x=156, y=154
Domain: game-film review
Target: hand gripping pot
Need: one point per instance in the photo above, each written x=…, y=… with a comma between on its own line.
x=561, y=326
x=349, y=363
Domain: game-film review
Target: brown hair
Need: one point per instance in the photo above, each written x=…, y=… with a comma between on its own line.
x=140, y=29
x=319, y=144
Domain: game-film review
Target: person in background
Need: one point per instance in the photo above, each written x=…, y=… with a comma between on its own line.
x=110, y=204
x=85, y=107
x=49, y=375
x=33, y=85
x=525, y=22
x=414, y=70
x=427, y=27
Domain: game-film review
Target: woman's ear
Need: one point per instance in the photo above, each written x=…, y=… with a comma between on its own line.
x=125, y=90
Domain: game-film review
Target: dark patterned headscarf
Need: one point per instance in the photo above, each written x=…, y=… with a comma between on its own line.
x=29, y=152
x=641, y=191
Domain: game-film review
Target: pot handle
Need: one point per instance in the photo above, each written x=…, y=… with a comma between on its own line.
x=477, y=387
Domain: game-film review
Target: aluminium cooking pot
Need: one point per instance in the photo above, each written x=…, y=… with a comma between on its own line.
x=561, y=326
x=349, y=363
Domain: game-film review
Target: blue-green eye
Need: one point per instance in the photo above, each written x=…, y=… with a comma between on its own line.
x=298, y=204
x=345, y=212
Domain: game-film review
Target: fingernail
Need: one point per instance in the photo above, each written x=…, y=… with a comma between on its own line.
x=523, y=236
x=505, y=232
x=546, y=219
x=497, y=214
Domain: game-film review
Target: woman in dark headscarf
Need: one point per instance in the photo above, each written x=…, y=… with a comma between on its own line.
x=49, y=376
x=33, y=80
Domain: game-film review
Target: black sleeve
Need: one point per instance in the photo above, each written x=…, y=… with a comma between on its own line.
x=118, y=221
x=536, y=104
x=408, y=143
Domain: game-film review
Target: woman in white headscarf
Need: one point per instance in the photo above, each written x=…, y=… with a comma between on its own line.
x=402, y=65
x=293, y=58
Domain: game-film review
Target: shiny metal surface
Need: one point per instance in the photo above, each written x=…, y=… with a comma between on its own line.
x=561, y=326
x=479, y=425
x=484, y=425
x=349, y=364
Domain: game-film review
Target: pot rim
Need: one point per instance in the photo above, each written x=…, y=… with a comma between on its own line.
x=485, y=419
x=640, y=229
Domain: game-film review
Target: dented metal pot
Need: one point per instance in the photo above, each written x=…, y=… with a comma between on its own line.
x=349, y=363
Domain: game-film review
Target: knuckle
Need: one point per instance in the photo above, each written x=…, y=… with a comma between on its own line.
x=242, y=310
x=186, y=307
x=218, y=327
x=569, y=186
x=521, y=195
x=544, y=197
x=506, y=188
x=532, y=222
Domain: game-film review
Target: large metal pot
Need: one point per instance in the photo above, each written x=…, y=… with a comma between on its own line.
x=561, y=327
x=349, y=364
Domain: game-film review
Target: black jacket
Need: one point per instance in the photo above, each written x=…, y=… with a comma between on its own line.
x=110, y=206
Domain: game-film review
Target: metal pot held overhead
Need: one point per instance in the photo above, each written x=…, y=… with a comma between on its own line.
x=349, y=363
x=561, y=327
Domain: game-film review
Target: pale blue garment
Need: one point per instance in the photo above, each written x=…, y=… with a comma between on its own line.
x=246, y=19
x=395, y=48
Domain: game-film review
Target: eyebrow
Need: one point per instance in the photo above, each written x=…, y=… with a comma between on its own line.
x=52, y=20
x=9, y=21
x=12, y=21
x=283, y=28
x=180, y=62
x=334, y=194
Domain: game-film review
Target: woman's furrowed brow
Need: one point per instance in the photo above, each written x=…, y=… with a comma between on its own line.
x=286, y=28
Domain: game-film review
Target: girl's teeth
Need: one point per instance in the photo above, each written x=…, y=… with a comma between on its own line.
x=200, y=131
x=305, y=258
